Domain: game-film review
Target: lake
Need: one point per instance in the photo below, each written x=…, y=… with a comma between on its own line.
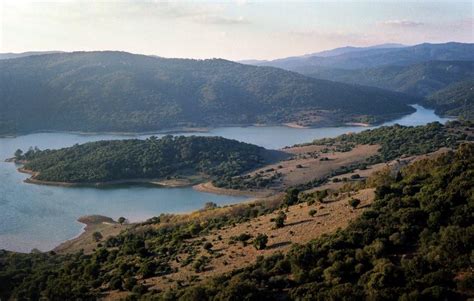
x=35, y=216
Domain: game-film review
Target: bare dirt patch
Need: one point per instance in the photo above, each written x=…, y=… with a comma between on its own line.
x=299, y=228
x=310, y=162
x=94, y=223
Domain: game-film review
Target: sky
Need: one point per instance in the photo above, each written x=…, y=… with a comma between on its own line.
x=234, y=30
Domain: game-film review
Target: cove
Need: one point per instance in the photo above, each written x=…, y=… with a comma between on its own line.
x=35, y=216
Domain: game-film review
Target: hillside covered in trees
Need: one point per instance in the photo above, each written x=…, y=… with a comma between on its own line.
x=422, y=79
x=118, y=91
x=414, y=243
x=153, y=158
x=371, y=57
x=396, y=141
x=456, y=99
x=423, y=70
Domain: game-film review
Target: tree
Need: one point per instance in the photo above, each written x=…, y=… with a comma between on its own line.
x=280, y=220
x=116, y=283
x=291, y=197
x=208, y=247
x=260, y=242
x=18, y=154
x=312, y=212
x=354, y=203
x=97, y=236
x=122, y=220
x=147, y=269
x=210, y=205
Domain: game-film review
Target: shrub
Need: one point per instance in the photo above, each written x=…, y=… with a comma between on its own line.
x=97, y=236
x=208, y=246
x=312, y=212
x=291, y=197
x=260, y=242
x=280, y=220
x=354, y=203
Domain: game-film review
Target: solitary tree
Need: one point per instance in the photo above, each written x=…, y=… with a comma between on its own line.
x=354, y=203
x=312, y=212
x=208, y=247
x=210, y=205
x=121, y=220
x=97, y=236
x=280, y=220
x=291, y=196
x=260, y=242
x=18, y=154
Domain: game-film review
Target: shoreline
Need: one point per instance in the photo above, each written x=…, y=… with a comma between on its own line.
x=180, y=130
x=207, y=129
x=208, y=187
x=91, y=224
x=173, y=183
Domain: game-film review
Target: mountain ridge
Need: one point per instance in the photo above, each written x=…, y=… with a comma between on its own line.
x=119, y=91
x=376, y=57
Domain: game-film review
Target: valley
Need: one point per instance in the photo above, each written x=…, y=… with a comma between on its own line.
x=344, y=174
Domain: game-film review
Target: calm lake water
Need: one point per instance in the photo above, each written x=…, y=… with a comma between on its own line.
x=35, y=216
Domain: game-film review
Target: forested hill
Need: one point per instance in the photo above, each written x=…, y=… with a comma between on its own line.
x=152, y=158
x=414, y=243
x=378, y=57
x=117, y=91
x=421, y=79
x=455, y=100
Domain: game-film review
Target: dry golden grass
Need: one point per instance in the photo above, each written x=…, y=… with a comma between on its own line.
x=94, y=223
x=299, y=227
x=305, y=165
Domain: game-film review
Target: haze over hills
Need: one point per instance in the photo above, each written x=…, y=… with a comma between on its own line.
x=376, y=57
x=11, y=55
x=420, y=79
x=456, y=99
x=420, y=70
x=118, y=91
x=327, y=53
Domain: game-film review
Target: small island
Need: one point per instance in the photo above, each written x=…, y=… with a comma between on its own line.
x=171, y=160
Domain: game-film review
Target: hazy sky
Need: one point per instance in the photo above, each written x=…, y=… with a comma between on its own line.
x=228, y=29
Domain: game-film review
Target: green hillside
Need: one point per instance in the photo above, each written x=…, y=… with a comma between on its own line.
x=152, y=158
x=377, y=57
x=455, y=100
x=415, y=242
x=420, y=79
x=117, y=91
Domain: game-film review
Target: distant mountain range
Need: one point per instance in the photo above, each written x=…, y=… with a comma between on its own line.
x=10, y=55
x=325, y=53
x=370, y=57
x=420, y=70
x=420, y=79
x=118, y=91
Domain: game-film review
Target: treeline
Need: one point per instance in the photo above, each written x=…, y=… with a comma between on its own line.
x=415, y=243
x=167, y=157
x=396, y=141
x=456, y=99
x=118, y=91
x=121, y=262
